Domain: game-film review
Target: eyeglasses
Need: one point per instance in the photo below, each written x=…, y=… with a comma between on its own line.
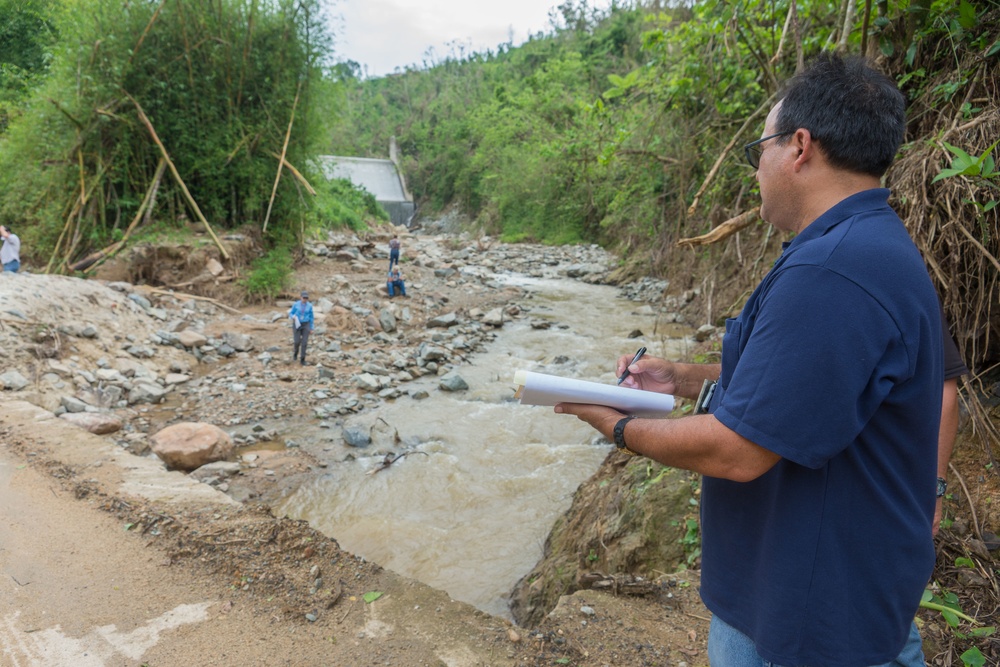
x=753, y=150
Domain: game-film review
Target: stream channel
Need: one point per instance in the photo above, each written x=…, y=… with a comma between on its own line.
x=469, y=507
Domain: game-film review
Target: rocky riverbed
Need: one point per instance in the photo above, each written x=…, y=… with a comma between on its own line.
x=125, y=360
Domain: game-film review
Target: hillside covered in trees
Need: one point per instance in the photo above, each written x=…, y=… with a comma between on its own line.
x=625, y=127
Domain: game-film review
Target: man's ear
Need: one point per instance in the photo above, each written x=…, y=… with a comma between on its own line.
x=805, y=146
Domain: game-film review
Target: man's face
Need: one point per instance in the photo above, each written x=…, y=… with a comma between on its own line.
x=772, y=175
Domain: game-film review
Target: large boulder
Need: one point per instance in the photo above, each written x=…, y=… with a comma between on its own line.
x=190, y=445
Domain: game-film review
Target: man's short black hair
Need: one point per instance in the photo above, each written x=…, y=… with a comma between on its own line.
x=856, y=113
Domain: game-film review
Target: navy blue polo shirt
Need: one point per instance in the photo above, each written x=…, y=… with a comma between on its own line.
x=835, y=364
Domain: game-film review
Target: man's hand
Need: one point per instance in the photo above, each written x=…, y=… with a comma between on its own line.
x=649, y=373
x=600, y=417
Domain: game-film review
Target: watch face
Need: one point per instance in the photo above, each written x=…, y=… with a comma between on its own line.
x=942, y=487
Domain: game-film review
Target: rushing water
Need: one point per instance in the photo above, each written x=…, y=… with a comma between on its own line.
x=469, y=507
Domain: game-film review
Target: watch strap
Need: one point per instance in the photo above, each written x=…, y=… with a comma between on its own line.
x=619, y=433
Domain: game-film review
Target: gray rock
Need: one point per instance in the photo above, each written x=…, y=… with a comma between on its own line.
x=141, y=300
x=443, y=321
x=13, y=380
x=356, y=435
x=72, y=404
x=239, y=342
x=452, y=381
x=146, y=392
x=387, y=320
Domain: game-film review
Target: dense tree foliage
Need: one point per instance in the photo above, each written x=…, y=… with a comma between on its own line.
x=218, y=91
x=625, y=127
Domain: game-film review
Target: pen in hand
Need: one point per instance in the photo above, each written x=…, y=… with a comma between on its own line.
x=637, y=357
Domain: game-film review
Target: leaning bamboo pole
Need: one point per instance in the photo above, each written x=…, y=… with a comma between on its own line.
x=177, y=176
x=725, y=230
x=725, y=153
x=296, y=173
x=146, y=205
x=281, y=162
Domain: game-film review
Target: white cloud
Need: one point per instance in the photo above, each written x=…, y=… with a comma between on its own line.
x=388, y=34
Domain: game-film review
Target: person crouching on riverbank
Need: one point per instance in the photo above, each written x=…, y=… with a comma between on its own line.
x=10, y=252
x=395, y=282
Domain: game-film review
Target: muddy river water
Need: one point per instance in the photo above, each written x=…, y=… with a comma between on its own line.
x=467, y=510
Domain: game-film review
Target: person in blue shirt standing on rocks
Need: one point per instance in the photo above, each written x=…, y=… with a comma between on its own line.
x=301, y=315
x=817, y=434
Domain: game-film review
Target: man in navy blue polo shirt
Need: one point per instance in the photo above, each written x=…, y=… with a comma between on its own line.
x=819, y=445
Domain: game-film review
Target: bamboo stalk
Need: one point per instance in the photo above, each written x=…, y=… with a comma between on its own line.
x=195, y=297
x=725, y=151
x=725, y=230
x=296, y=174
x=281, y=162
x=177, y=176
x=144, y=207
x=145, y=32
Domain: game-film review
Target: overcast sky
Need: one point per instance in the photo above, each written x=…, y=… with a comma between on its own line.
x=388, y=34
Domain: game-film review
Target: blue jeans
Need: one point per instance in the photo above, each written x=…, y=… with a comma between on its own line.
x=393, y=257
x=12, y=266
x=728, y=647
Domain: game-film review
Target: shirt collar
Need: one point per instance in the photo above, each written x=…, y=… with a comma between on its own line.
x=867, y=200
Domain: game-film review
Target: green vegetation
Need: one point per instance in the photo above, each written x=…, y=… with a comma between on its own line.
x=121, y=114
x=270, y=274
x=624, y=127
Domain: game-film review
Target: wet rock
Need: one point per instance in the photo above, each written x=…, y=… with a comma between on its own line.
x=356, y=435
x=494, y=317
x=452, y=381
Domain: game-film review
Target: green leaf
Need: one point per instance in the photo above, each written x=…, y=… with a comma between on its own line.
x=983, y=632
x=973, y=658
x=988, y=206
x=966, y=15
x=371, y=596
x=964, y=562
x=617, y=81
x=927, y=596
x=950, y=617
x=946, y=173
x=994, y=48
x=885, y=46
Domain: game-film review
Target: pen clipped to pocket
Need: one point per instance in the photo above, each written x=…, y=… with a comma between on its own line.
x=705, y=397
